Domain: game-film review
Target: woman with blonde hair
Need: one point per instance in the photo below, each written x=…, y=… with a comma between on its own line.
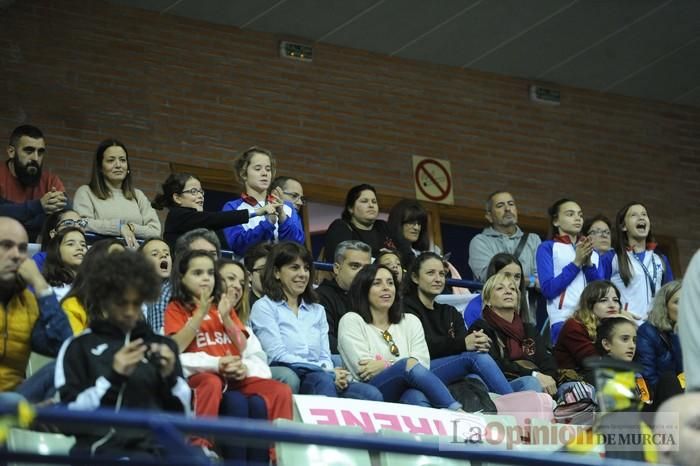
x=516, y=346
x=658, y=345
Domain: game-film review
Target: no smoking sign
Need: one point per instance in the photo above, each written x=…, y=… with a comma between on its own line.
x=433, y=180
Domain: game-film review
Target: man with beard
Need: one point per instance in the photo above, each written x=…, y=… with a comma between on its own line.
x=503, y=235
x=27, y=193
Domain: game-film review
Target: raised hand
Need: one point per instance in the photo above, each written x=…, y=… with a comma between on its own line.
x=29, y=272
x=278, y=195
x=225, y=306
x=166, y=361
x=584, y=249
x=203, y=304
x=128, y=357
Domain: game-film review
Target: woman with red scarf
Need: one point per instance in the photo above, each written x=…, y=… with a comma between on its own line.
x=517, y=347
x=565, y=264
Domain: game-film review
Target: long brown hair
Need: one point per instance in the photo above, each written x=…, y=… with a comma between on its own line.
x=620, y=242
x=97, y=184
x=594, y=292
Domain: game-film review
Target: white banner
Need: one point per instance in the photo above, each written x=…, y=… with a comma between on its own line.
x=372, y=416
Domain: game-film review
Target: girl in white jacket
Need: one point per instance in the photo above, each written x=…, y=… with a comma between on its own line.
x=633, y=265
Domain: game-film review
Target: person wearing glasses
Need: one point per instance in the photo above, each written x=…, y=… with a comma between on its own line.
x=254, y=260
x=184, y=198
x=292, y=190
x=54, y=224
x=454, y=354
x=111, y=204
x=408, y=228
x=386, y=348
x=599, y=229
x=293, y=330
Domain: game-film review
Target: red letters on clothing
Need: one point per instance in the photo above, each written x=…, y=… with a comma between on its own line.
x=211, y=336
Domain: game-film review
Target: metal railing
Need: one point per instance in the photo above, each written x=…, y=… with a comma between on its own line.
x=169, y=430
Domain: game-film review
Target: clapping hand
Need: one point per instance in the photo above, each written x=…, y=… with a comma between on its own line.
x=584, y=249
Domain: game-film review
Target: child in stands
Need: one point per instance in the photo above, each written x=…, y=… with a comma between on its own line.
x=565, y=263
x=74, y=304
x=633, y=265
x=157, y=252
x=218, y=352
x=120, y=363
x=255, y=168
x=65, y=253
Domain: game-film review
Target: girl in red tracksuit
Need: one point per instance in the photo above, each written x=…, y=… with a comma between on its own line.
x=218, y=352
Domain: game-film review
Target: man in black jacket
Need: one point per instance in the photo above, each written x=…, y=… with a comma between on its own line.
x=120, y=362
x=350, y=256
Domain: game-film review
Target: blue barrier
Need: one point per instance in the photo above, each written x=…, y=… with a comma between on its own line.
x=168, y=429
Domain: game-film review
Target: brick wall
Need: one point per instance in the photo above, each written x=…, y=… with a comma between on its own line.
x=191, y=92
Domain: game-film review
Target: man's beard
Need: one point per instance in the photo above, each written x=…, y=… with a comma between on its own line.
x=24, y=175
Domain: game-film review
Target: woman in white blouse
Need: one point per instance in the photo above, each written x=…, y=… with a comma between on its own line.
x=112, y=206
x=385, y=348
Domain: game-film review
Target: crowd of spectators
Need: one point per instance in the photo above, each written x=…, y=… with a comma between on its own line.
x=151, y=316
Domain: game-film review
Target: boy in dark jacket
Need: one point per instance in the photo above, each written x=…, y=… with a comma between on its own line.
x=119, y=362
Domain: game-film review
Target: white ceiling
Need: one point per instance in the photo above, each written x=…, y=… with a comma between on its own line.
x=644, y=48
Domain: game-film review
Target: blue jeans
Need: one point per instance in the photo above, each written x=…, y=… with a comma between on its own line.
x=236, y=404
x=527, y=382
x=286, y=375
x=453, y=368
x=415, y=386
x=39, y=386
x=323, y=383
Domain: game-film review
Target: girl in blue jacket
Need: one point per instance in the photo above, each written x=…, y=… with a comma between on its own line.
x=255, y=168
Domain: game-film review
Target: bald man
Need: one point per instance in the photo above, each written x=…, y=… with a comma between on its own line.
x=685, y=410
x=29, y=321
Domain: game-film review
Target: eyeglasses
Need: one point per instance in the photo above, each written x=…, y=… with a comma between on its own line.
x=193, y=191
x=68, y=223
x=295, y=197
x=390, y=341
x=601, y=233
x=259, y=269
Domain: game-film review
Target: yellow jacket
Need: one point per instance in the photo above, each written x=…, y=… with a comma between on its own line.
x=77, y=317
x=16, y=324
